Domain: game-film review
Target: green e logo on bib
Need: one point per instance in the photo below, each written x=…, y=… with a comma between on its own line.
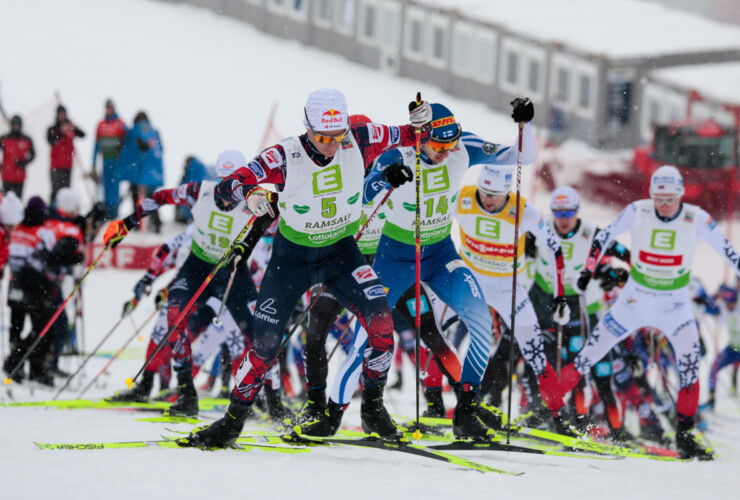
x=436, y=180
x=488, y=228
x=327, y=180
x=663, y=239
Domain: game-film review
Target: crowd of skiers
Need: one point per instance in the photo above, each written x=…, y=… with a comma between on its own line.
x=348, y=225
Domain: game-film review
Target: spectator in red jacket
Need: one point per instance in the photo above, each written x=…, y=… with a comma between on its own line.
x=18, y=152
x=61, y=136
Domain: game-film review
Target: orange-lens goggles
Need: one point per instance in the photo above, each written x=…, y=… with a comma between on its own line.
x=327, y=139
x=442, y=146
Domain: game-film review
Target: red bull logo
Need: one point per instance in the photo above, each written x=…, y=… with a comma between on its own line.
x=331, y=116
x=443, y=121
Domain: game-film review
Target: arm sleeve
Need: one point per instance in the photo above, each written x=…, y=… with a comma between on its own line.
x=374, y=182
x=185, y=194
x=616, y=249
x=375, y=138
x=269, y=167
x=53, y=135
x=482, y=152
x=31, y=152
x=623, y=223
x=533, y=223
x=707, y=230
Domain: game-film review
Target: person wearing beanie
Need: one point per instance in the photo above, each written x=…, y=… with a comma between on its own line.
x=109, y=137
x=320, y=177
x=665, y=232
x=17, y=150
x=443, y=161
x=61, y=137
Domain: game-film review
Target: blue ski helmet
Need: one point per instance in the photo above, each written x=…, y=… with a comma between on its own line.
x=444, y=126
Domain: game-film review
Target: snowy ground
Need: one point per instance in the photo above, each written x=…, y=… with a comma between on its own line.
x=205, y=97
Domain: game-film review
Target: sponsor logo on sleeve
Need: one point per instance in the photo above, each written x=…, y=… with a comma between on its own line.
x=271, y=157
x=180, y=193
x=374, y=292
x=454, y=264
x=489, y=148
x=363, y=274
x=257, y=170
x=394, y=135
x=613, y=326
x=467, y=203
x=375, y=132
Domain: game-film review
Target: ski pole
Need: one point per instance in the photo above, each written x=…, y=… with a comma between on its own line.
x=118, y=353
x=322, y=289
x=559, y=354
x=9, y=378
x=514, y=276
x=94, y=351
x=217, y=318
x=417, y=284
x=130, y=381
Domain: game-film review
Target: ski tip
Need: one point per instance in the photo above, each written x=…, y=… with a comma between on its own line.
x=8, y=380
x=129, y=382
x=417, y=435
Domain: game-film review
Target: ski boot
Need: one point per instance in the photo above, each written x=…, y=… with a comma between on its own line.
x=187, y=402
x=278, y=412
x=139, y=393
x=466, y=422
x=314, y=407
x=491, y=416
x=398, y=384
x=654, y=432
x=620, y=436
x=435, y=404
x=41, y=376
x=223, y=432
x=324, y=424
x=559, y=425
x=688, y=445
x=375, y=418
x=12, y=360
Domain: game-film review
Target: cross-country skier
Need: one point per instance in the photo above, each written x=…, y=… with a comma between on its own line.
x=486, y=213
x=217, y=224
x=444, y=161
x=575, y=236
x=320, y=175
x=664, y=235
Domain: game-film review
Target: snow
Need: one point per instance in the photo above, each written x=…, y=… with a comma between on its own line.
x=717, y=81
x=208, y=83
x=616, y=29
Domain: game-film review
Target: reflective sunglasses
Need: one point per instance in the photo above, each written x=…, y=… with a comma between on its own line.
x=564, y=214
x=324, y=139
x=440, y=147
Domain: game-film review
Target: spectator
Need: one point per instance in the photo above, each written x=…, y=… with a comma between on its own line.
x=109, y=139
x=18, y=152
x=193, y=171
x=61, y=136
x=141, y=161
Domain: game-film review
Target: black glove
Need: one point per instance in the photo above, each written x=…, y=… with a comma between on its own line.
x=143, y=287
x=523, y=109
x=129, y=306
x=143, y=146
x=583, y=280
x=237, y=257
x=562, y=311
x=611, y=277
x=397, y=174
x=161, y=298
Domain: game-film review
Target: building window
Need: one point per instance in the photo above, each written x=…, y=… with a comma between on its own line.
x=584, y=94
x=562, y=85
x=485, y=52
x=415, y=45
x=512, y=67
x=345, y=15
x=461, y=50
x=324, y=9
x=369, y=24
x=533, y=78
x=389, y=24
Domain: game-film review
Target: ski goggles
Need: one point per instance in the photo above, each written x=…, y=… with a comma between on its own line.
x=564, y=214
x=440, y=147
x=665, y=200
x=325, y=139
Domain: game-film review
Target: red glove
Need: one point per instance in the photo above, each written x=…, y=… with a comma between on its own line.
x=115, y=232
